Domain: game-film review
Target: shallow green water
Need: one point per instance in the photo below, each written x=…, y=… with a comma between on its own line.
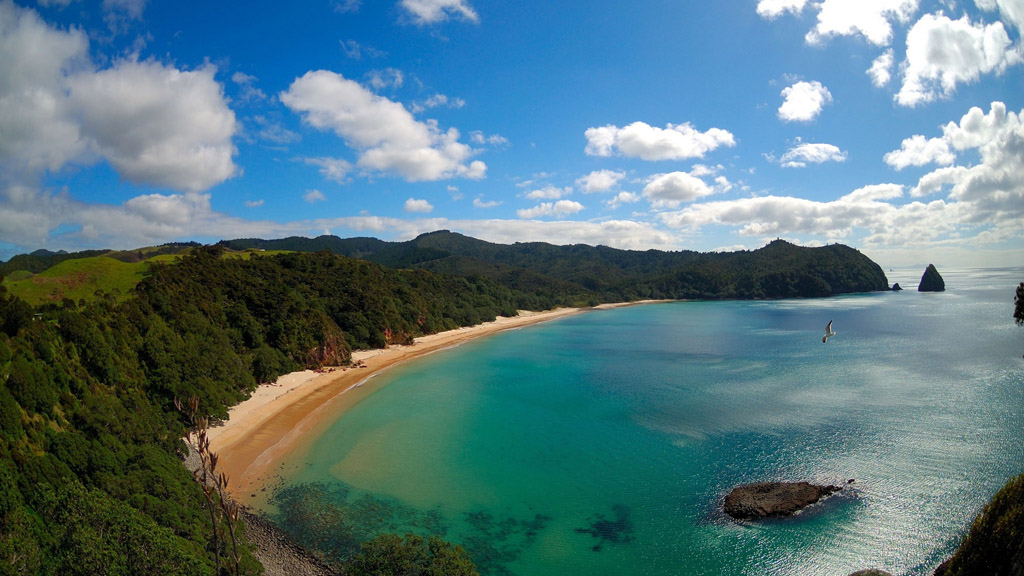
x=603, y=443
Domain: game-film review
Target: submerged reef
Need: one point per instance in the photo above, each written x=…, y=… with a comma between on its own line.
x=617, y=531
x=331, y=519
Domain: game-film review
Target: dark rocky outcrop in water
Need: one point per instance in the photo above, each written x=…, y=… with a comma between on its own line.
x=871, y=572
x=767, y=499
x=896, y=287
x=931, y=281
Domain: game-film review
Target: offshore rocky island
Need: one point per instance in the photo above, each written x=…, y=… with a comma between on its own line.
x=773, y=499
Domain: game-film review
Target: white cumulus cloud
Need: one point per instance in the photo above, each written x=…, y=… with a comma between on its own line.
x=600, y=181
x=943, y=53
x=558, y=209
x=158, y=125
x=919, y=151
x=803, y=101
x=335, y=169
x=994, y=187
x=814, y=153
x=780, y=215
x=38, y=130
x=386, y=78
x=641, y=140
x=313, y=196
x=272, y=131
x=978, y=203
x=433, y=11
x=387, y=136
x=419, y=206
x=496, y=140
x=623, y=198
x=672, y=189
x=248, y=92
x=549, y=193
x=479, y=202
x=437, y=101
x=871, y=19
x=881, y=69
x=772, y=9
x=1011, y=10
x=169, y=209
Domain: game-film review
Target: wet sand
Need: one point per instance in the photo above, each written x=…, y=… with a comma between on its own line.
x=261, y=431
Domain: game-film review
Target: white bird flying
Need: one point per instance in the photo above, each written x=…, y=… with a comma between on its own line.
x=828, y=332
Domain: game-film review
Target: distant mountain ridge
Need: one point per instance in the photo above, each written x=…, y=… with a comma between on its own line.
x=778, y=270
x=544, y=276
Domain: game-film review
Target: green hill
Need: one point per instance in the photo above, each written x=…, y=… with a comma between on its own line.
x=41, y=260
x=49, y=277
x=79, y=278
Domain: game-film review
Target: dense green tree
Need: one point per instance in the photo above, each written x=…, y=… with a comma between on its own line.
x=15, y=314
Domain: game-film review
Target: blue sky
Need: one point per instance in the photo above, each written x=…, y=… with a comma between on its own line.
x=893, y=126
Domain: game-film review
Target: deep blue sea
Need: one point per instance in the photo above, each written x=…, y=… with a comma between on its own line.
x=604, y=442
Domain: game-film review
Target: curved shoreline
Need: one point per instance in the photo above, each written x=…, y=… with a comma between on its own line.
x=261, y=431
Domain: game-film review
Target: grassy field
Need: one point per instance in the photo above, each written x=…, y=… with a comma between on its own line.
x=85, y=277
x=80, y=278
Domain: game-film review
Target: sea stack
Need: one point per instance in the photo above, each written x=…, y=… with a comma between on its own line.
x=931, y=281
x=896, y=287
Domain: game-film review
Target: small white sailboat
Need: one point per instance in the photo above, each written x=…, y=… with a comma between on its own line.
x=828, y=332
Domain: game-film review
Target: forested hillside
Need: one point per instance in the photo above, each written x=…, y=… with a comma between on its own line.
x=90, y=438
x=602, y=274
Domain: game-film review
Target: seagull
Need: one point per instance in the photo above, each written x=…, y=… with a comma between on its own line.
x=828, y=332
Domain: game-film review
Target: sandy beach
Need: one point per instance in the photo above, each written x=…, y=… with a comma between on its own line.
x=262, y=430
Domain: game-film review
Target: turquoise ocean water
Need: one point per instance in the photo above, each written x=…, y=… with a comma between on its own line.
x=604, y=443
